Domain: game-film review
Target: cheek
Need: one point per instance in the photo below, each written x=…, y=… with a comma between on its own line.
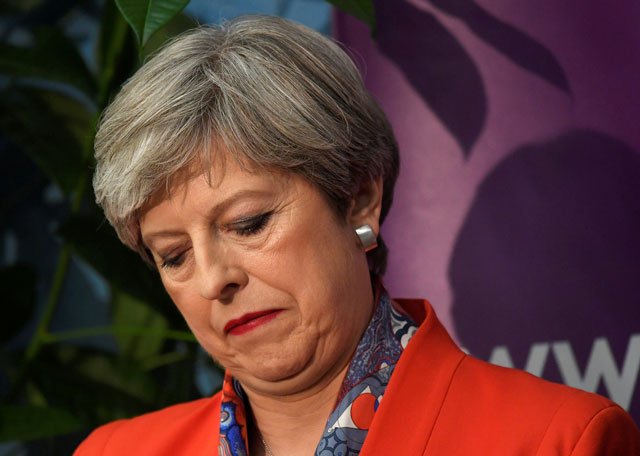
x=320, y=267
x=309, y=256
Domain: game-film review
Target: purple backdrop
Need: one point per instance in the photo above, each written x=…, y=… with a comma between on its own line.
x=517, y=212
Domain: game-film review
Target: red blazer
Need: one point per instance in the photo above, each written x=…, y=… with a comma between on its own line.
x=439, y=402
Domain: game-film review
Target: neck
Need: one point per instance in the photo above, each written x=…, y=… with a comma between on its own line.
x=292, y=425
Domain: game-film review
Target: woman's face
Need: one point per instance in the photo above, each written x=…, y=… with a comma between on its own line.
x=271, y=282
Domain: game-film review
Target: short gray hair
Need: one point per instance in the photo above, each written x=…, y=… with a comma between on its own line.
x=275, y=94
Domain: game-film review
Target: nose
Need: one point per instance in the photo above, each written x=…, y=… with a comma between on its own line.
x=219, y=276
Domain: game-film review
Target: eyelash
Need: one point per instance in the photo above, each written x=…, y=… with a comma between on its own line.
x=171, y=262
x=247, y=227
x=252, y=225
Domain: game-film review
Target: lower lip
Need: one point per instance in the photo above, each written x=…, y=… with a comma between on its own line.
x=253, y=324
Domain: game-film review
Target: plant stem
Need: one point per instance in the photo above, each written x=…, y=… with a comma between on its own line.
x=42, y=328
x=50, y=306
x=35, y=344
x=62, y=336
x=163, y=360
x=56, y=287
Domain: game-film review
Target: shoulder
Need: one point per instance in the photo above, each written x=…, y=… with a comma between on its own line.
x=497, y=410
x=469, y=380
x=555, y=418
x=187, y=428
x=494, y=383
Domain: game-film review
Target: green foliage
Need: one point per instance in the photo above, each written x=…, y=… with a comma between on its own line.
x=27, y=117
x=49, y=105
x=95, y=241
x=27, y=422
x=361, y=9
x=53, y=57
x=148, y=16
x=128, y=310
x=14, y=6
x=116, y=53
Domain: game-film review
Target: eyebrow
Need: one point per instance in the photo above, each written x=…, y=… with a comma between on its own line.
x=214, y=211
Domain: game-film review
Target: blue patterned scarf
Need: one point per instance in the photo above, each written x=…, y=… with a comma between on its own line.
x=364, y=385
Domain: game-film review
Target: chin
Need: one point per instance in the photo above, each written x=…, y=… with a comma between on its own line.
x=276, y=370
x=282, y=375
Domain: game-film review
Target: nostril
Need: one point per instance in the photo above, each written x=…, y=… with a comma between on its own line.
x=229, y=290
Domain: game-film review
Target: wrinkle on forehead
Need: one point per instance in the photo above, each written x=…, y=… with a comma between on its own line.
x=213, y=171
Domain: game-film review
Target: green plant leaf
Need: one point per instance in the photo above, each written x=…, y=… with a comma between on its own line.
x=17, y=288
x=97, y=386
x=74, y=115
x=361, y=9
x=124, y=374
x=176, y=26
x=130, y=311
x=27, y=422
x=53, y=58
x=116, y=52
x=147, y=16
x=28, y=121
x=115, y=330
x=8, y=7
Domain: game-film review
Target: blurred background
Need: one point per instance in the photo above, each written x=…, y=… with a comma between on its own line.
x=517, y=211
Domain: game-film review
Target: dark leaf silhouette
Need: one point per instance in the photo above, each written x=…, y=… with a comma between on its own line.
x=552, y=226
x=34, y=14
x=17, y=287
x=520, y=48
x=116, y=53
x=94, y=385
x=437, y=66
x=30, y=122
x=53, y=58
x=26, y=422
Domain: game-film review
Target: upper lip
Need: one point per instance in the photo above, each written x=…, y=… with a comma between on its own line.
x=245, y=318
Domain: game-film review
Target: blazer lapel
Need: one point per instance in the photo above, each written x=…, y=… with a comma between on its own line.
x=412, y=401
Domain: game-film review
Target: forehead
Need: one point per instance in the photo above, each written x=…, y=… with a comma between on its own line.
x=219, y=172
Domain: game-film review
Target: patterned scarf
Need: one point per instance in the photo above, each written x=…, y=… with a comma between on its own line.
x=367, y=378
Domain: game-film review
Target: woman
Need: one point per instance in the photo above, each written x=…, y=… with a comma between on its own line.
x=251, y=167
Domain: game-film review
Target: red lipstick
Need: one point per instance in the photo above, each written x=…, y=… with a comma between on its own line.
x=250, y=321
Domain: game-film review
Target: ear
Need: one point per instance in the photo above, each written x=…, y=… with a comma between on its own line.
x=366, y=205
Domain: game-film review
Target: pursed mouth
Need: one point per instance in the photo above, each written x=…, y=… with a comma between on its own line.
x=250, y=321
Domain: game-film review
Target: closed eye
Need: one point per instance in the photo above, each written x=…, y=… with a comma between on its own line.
x=251, y=225
x=172, y=261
